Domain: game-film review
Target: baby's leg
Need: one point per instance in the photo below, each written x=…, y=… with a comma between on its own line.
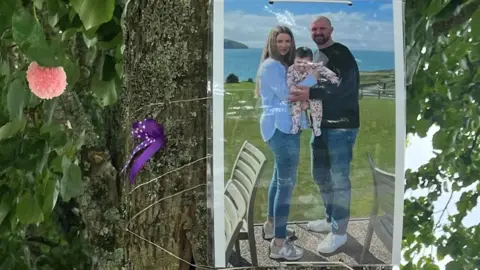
x=316, y=107
x=305, y=105
x=296, y=109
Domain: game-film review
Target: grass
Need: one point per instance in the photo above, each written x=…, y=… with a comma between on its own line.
x=376, y=135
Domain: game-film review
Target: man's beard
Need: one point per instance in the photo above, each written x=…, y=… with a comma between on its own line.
x=320, y=39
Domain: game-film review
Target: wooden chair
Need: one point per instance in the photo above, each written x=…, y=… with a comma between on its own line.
x=381, y=217
x=245, y=176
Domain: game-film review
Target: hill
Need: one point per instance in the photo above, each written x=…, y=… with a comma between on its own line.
x=230, y=44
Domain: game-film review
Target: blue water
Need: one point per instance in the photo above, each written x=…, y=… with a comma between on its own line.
x=244, y=62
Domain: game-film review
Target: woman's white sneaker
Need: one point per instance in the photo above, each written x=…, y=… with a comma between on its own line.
x=288, y=251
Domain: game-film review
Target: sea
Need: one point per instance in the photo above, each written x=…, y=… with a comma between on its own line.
x=244, y=62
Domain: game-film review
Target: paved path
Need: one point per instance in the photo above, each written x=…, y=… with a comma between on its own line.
x=349, y=254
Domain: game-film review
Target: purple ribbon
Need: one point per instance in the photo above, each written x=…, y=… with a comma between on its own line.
x=153, y=139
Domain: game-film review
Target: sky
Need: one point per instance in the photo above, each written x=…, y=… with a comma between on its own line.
x=366, y=25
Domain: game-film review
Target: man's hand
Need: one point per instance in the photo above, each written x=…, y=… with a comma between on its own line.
x=301, y=93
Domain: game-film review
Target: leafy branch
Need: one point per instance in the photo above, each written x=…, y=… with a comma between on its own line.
x=442, y=75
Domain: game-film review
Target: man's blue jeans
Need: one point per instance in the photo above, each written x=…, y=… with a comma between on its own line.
x=332, y=153
x=286, y=151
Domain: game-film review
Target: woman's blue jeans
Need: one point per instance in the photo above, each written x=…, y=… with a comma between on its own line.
x=286, y=151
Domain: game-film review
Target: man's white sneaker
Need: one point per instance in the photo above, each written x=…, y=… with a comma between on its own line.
x=267, y=231
x=320, y=226
x=331, y=243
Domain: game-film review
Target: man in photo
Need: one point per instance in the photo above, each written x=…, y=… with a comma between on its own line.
x=332, y=150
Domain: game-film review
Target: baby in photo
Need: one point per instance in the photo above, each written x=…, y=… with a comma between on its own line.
x=303, y=67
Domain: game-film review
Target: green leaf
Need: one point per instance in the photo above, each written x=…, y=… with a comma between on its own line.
x=105, y=92
x=440, y=140
x=71, y=185
x=68, y=34
x=56, y=164
x=28, y=210
x=5, y=205
x=51, y=128
x=454, y=265
x=94, y=12
x=34, y=101
x=18, y=96
x=119, y=69
x=422, y=126
x=58, y=139
x=23, y=24
x=475, y=24
x=89, y=42
x=91, y=33
x=53, y=20
x=7, y=8
x=108, y=68
x=53, y=6
x=38, y=3
x=50, y=193
x=73, y=73
x=56, y=134
x=436, y=6
x=29, y=35
x=11, y=128
x=117, y=40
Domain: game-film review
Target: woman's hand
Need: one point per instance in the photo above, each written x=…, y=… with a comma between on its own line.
x=301, y=93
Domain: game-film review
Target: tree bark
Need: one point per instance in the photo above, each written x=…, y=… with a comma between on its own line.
x=166, y=51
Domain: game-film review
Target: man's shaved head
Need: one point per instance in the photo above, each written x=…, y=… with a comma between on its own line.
x=324, y=19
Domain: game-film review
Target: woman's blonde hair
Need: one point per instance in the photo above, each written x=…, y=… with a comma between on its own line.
x=270, y=50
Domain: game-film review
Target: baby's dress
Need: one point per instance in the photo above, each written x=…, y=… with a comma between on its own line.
x=297, y=73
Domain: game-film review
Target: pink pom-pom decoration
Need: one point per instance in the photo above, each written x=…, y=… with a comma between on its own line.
x=46, y=82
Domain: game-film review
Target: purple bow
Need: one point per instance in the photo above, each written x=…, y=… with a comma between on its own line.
x=153, y=139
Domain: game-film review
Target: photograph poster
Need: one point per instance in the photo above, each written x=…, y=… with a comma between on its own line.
x=308, y=132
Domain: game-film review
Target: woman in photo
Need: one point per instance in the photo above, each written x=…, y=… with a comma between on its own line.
x=276, y=125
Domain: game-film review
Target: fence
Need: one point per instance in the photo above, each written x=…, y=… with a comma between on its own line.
x=376, y=90
x=366, y=90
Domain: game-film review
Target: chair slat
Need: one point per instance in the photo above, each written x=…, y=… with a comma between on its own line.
x=385, y=189
x=242, y=178
x=247, y=171
x=231, y=213
x=255, y=152
x=250, y=161
x=383, y=229
x=228, y=227
x=243, y=190
x=238, y=200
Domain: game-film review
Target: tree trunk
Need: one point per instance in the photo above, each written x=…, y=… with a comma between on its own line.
x=166, y=50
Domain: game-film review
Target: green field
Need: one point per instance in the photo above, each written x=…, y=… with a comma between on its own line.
x=376, y=135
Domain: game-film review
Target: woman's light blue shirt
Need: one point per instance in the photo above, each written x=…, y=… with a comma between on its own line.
x=274, y=93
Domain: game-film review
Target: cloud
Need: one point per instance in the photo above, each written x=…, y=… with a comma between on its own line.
x=355, y=30
x=386, y=7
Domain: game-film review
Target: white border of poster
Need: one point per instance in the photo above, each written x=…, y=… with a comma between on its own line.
x=218, y=127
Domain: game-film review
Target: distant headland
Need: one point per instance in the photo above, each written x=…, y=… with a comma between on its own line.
x=230, y=44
